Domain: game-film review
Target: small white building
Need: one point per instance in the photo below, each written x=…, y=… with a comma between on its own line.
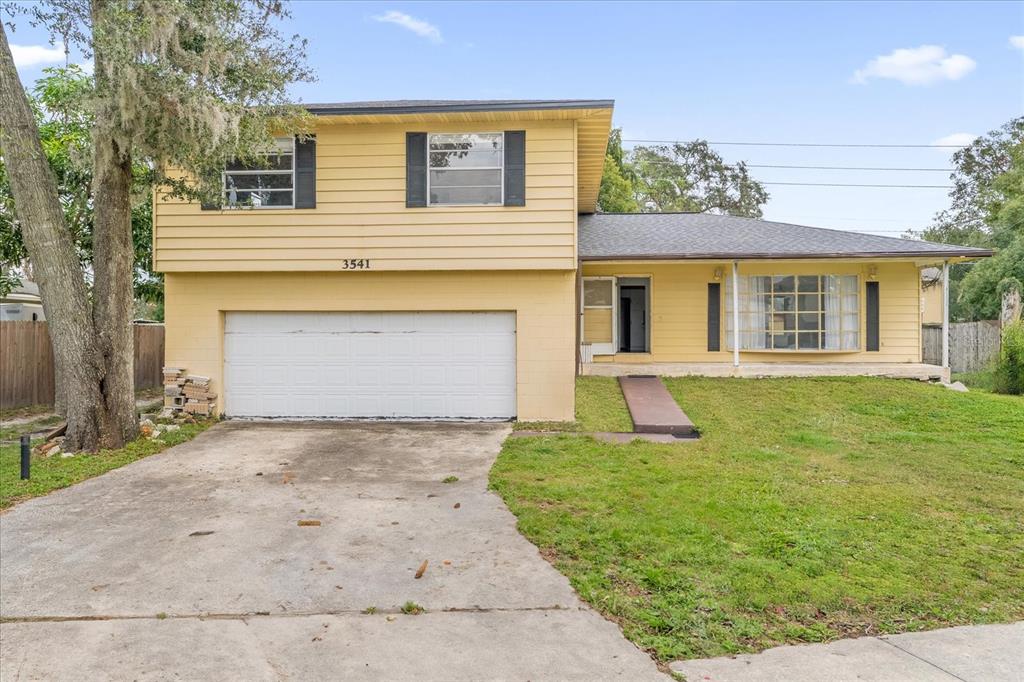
x=22, y=303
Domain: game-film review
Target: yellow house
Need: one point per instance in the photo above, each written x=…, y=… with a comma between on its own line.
x=443, y=259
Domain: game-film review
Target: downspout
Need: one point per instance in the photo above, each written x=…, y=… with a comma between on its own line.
x=945, y=314
x=579, y=318
x=735, y=313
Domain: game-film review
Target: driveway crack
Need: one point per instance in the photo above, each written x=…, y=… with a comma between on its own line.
x=923, y=660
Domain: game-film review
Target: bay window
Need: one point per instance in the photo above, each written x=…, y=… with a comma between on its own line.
x=795, y=313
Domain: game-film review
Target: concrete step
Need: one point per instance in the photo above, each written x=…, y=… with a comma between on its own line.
x=652, y=407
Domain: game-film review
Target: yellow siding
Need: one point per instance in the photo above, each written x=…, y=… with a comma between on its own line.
x=931, y=304
x=543, y=302
x=597, y=325
x=361, y=213
x=679, y=310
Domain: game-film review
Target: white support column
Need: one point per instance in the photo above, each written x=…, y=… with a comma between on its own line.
x=945, y=313
x=735, y=313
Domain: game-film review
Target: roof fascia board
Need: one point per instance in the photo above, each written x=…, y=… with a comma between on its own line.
x=455, y=108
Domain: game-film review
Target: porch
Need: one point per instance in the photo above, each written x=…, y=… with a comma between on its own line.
x=892, y=370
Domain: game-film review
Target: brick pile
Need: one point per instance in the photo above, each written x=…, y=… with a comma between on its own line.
x=189, y=393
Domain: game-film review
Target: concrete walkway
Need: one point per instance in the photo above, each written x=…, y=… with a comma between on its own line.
x=191, y=565
x=980, y=653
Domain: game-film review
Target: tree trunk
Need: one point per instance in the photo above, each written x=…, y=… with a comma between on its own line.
x=113, y=259
x=77, y=354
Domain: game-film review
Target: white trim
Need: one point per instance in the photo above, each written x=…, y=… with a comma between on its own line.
x=501, y=168
x=735, y=313
x=945, y=313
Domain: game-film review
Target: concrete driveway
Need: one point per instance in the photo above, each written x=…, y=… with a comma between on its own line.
x=191, y=565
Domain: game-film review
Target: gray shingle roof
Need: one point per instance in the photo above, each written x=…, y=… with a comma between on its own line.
x=420, y=106
x=678, y=236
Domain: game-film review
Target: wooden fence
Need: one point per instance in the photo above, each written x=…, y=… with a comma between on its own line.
x=26, y=362
x=972, y=345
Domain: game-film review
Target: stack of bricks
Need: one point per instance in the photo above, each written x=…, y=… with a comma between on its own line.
x=188, y=392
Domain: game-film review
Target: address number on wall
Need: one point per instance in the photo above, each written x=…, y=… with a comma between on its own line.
x=355, y=263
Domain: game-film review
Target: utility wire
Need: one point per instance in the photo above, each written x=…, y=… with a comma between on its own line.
x=843, y=184
x=808, y=144
x=853, y=168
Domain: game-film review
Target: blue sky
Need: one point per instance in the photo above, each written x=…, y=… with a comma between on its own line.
x=878, y=73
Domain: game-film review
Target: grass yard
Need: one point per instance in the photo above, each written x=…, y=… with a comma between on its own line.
x=810, y=509
x=599, y=407
x=51, y=473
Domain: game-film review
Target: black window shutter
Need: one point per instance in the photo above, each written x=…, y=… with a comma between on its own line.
x=714, y=316
x=305, y=173
x=872, y=314
x=415, y=169
x=515, y=168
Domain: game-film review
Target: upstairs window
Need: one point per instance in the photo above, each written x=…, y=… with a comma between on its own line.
x=796, y=313
x=268, y=182
x=465, y=169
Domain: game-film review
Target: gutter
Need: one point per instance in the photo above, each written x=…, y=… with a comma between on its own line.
x=541, y=105
x=974, y=253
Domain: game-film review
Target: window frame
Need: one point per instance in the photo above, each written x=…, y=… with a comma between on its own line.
x=224, y=190
x=501, y=168
x=729, y=317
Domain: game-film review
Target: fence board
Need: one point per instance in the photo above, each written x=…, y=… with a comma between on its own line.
x=972, y=345
x=26, y=362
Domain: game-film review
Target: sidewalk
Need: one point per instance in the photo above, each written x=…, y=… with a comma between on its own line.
x=989, y=653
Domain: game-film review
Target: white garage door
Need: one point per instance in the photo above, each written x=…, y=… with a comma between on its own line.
x=419, y=365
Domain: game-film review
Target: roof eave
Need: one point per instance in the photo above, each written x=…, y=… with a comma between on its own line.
x=474, y=107
x=979, y=253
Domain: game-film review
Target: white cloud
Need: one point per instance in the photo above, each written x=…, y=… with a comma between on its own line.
x=1017, y=42
x=958, y=139
x=33, y=55
x=917, y=66
x=420, y=27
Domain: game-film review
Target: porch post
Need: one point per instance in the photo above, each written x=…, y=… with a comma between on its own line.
x=945, y=313
x=735, y=314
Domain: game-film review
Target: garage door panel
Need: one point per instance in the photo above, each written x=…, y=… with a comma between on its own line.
x=372, y=364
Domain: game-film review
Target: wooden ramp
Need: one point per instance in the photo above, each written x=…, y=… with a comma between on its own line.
x=652, y=407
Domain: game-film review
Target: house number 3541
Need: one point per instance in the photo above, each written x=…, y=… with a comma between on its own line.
x=355, y=263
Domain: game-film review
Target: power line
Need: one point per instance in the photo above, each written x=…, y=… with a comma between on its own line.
x=809, y=144
x=853, y=168
x=843, y=184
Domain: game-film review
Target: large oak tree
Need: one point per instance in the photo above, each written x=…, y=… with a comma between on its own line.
x=179, y=84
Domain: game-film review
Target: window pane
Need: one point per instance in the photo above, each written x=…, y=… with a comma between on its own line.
x=465, y=178
x=849, y=283
x=258, y=199
x=807, y=283
x=465, y=195
x=466, y=159
x=786, y=302
x=808, y=340
x=465, y=141
x=784, y=341
x=851, y=340
x=783, y=322
x=597, y=292
x=258, y=181
x=808, y=321
x=783, y=284
x=808, y=302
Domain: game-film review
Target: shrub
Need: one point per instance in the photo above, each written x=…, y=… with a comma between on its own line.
x=1009, y=374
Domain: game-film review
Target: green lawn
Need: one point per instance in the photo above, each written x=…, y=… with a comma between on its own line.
x=810, y=509
x=51, y=473
x=599, y=407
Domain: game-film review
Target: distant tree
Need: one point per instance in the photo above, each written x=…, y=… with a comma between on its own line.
x=976, y=166
x=60, y=102
x=618, y=194
x=693, y=177
x=179, y=84
x=1003, y=217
